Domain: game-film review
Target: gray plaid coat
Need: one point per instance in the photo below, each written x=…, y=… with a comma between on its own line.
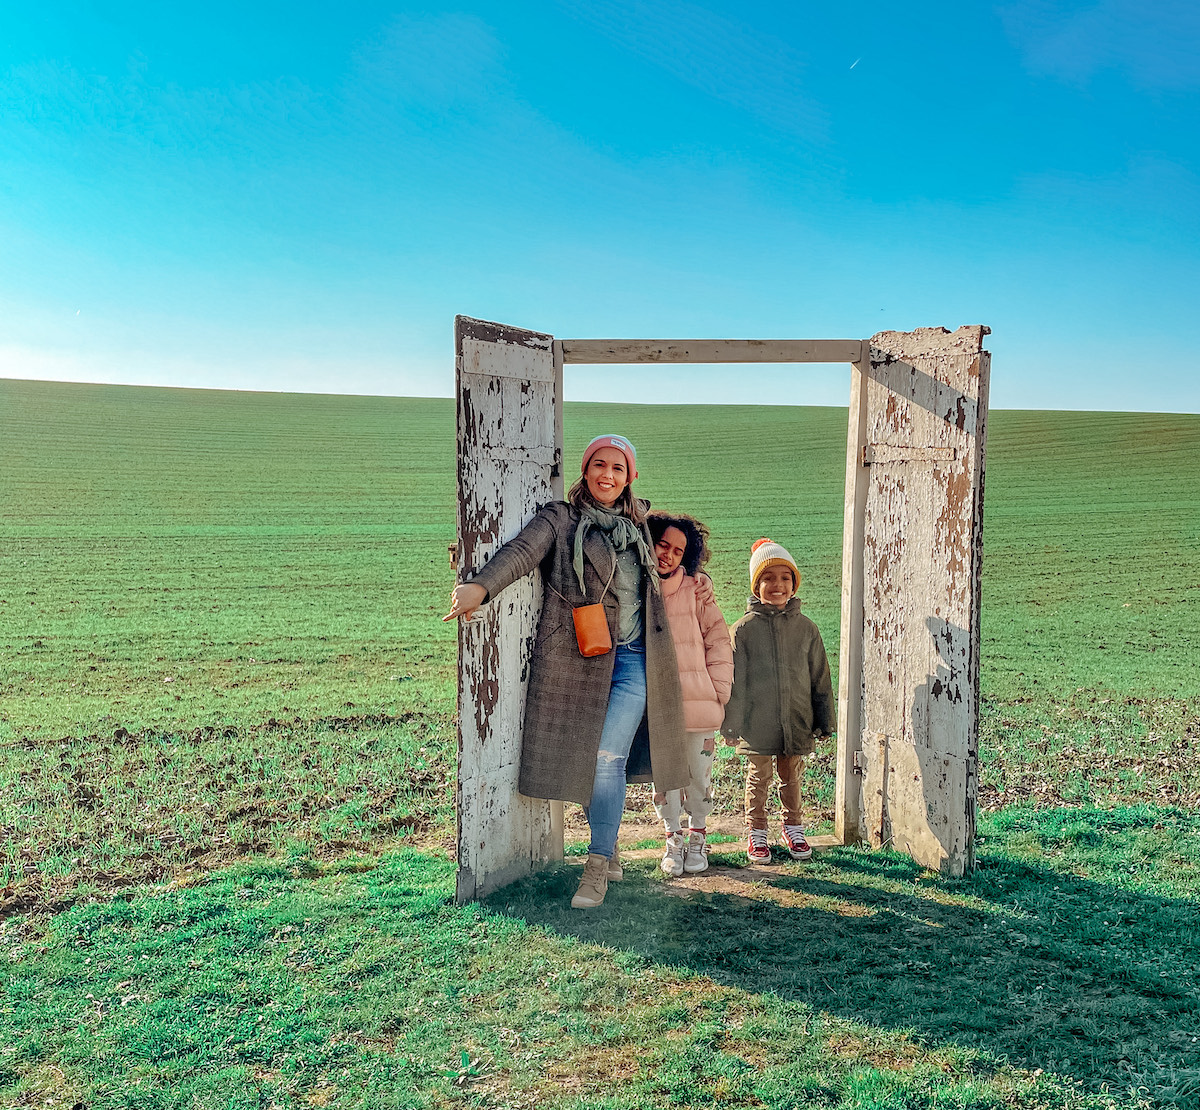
x=567, y=696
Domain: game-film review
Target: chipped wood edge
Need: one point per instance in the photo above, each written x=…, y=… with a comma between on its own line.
x=464, y=879
x=848, y=821
x=973, y=666
x=487, y=331
x=557, y=835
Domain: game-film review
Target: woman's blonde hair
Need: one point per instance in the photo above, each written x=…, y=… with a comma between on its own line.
x=579, y=495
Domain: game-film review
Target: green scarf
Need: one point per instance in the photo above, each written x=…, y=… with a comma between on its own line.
x=621, y=534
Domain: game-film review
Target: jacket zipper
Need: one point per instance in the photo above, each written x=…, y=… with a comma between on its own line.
x=776, y=618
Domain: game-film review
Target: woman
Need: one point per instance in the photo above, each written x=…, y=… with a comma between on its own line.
x=582, y=713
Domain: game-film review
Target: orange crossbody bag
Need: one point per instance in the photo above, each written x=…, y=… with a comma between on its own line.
x=591, y=625
x=591, y=630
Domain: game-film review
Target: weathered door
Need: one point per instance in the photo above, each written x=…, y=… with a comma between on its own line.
x=925, y=422
x=509, y=390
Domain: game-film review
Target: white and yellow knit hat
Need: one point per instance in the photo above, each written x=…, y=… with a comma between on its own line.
x=767, y=553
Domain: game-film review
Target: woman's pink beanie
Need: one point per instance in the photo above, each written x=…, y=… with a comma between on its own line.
x=621, y=444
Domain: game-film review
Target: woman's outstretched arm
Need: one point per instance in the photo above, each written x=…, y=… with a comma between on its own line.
x=516, y=558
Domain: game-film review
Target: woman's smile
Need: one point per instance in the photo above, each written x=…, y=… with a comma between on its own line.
x=607, y=475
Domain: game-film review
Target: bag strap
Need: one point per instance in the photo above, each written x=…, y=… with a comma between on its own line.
x=602, y=592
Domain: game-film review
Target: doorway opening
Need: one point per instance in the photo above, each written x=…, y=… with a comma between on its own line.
x=908, y=656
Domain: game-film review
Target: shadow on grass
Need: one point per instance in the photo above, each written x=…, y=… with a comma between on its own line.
x=1025, y=962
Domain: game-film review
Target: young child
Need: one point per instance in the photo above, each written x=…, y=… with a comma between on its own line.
x=782, y=698
x=705, y=658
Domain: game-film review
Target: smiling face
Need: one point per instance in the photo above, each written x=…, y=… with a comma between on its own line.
x=776, y=586
x=670, y=550
x=607, y=475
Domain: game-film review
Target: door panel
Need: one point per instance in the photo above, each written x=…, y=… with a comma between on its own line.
x=922, y=544
x=508, y=391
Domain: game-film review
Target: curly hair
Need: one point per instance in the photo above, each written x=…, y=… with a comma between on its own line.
x=696, y=552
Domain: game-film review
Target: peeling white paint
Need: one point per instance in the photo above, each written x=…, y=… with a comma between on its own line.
x=506, y=455
x=922, y=544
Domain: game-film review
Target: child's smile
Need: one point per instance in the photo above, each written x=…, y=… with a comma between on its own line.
x=670, y=550
x=775, y=586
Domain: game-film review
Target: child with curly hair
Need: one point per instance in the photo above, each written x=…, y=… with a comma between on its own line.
x=705, y=657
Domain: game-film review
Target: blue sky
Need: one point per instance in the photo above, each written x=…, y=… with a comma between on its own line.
x=301, y=196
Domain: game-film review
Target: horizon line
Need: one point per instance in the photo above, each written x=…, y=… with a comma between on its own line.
x=568, y=401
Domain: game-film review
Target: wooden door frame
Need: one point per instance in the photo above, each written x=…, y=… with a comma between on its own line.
x=865, y=364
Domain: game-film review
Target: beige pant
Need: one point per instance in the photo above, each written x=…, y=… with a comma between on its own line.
x=758, y=788
x=696, y=798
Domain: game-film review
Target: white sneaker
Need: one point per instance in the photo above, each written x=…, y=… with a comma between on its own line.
x=672, y=861
x=697, y=853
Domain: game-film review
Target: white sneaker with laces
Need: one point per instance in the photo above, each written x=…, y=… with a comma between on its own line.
x=672, y=861
x=696, y=858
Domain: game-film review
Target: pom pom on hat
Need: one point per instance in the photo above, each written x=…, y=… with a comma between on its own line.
x=767, y=553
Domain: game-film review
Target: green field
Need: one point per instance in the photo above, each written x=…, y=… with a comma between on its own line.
x=226, y=739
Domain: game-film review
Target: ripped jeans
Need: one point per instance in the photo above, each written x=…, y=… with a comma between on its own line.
x=626, y=705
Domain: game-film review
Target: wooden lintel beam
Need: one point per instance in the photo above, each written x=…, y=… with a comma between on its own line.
x=623, y=351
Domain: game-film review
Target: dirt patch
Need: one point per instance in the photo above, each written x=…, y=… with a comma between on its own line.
x=754, y=883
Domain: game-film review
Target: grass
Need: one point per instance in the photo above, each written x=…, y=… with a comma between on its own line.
x=182, y=558
x=1074, y=947
x=219, y=649
x=358, y=983
x=99, y=813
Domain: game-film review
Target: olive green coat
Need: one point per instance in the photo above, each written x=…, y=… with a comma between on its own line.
x=567, y=696
x=782, y=696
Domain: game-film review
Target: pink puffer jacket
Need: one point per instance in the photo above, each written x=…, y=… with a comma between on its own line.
x=703, y=650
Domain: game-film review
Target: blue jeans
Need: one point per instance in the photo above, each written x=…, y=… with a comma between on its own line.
x=626, y=705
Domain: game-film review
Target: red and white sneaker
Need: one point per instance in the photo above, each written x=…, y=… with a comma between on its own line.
x=757, y=848
x=794, y=842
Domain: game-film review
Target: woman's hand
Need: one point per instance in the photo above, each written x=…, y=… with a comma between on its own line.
x=464, y=600
x=705, y=593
